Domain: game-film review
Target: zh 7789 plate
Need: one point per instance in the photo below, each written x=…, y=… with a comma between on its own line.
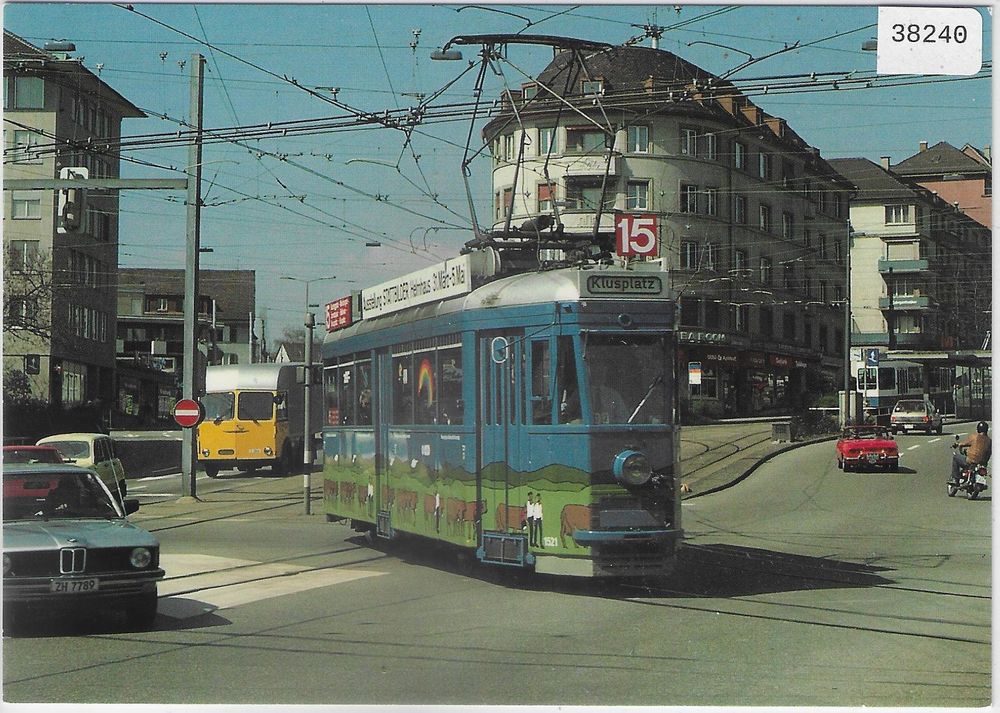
x=73, y=586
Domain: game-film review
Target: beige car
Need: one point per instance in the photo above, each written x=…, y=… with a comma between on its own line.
x=91, y=450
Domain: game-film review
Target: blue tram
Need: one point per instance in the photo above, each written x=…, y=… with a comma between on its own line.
x=528, y=417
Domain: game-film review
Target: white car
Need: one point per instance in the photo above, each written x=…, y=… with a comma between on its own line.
x=91, y=450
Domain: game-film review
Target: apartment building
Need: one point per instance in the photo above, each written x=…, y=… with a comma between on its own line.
x=752, y=220
x=61, y=251
x=962, y=177
x=150, y=337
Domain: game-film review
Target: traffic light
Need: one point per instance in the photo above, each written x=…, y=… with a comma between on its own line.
x=71, y=201
x=32, y=363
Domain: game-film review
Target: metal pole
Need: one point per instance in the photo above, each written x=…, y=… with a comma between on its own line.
x=189, y=453
x=848, y=395
x=307, y=445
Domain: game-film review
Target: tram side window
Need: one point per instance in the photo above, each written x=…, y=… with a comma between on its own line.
x=402, y=389
x=916, y=382
x=345, y=389
x=541, y=382
x=567, y=386
x=363, y=374
x=449, y=385
x=332, y=402
x=425, y=398
x=886, y=378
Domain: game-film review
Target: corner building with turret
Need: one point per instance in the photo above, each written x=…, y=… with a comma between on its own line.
x=752, y=223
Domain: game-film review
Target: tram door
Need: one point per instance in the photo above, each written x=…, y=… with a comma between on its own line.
x=500, y=418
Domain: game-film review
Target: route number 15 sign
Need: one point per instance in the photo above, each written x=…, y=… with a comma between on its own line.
x=635, y=235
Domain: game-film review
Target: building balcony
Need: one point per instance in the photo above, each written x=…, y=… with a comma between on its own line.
x=907, y=303
x=900, y=267
x=912, y=340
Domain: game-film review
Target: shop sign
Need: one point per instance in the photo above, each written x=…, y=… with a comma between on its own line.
x=694, y=372
x=801, y=364
x=780, y=361
x=702, y=337
x=720, y=357
x=754, y=359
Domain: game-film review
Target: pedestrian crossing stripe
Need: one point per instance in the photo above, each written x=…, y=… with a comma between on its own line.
x=196, y=584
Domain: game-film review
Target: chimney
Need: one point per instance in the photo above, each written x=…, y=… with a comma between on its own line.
x=885, y=162
x=986, y=153
x=923, y=146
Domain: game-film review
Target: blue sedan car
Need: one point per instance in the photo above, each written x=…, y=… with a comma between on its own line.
x=67, y=541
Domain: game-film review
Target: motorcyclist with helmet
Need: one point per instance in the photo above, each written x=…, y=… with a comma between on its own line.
x=974, y=450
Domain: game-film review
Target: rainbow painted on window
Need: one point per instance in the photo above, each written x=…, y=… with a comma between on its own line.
x=425, y=381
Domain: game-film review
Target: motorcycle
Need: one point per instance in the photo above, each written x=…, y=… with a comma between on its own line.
x=971, y=479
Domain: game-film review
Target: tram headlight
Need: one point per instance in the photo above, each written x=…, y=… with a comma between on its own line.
x=632, y=468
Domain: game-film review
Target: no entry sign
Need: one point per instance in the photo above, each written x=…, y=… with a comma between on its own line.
x=188, y=413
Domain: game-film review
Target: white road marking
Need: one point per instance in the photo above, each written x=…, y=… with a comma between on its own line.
x=934, y=440
x=197, y=583
x=912, y=447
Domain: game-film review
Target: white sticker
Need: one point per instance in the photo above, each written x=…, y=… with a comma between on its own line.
x=929, y=40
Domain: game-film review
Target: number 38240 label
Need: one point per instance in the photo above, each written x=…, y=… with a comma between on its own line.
x=929, y=40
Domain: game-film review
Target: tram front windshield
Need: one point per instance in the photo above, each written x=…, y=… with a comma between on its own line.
x=627, y=378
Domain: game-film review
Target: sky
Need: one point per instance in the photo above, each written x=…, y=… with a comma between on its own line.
x=307, y=205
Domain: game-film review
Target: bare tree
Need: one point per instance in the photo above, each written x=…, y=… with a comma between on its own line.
x=27, y=293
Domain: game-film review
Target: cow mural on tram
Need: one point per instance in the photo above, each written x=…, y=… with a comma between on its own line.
x=526, y=416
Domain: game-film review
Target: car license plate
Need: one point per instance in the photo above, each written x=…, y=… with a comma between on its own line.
x=981, y=480
x=73, y=586
x=872, y=458
x=907, y=426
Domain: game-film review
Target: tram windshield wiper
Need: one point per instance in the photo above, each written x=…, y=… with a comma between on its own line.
x=649, y=390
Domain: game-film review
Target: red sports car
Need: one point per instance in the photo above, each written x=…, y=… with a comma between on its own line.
x=31, y=454
x=867, y=446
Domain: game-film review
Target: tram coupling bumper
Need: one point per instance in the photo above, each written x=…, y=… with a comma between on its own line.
x=590, y=537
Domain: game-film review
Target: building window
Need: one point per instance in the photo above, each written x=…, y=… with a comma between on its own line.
x=741, y=263
x=766, y=322
x=838, y=252
x=544, y=197
x=585, y=194
x=741, y=318
x=765, y=217
x=585, y=140
x=790, y=327
x=787, y=226
x=508, y=147
x=547, y=143
x=25, y=206
x=822, y=246
x=689, y=311
x=807, y=237
x=21, y=148
x=637, y=195
x=22, y=254
x=638, y=139
x=710, y=256
x=529, y=91
x=711, y=201
x=764, y=165
x=765, y=271
x=74, y=383
x=689, y=141
x=823, y=293
x=740, y=210
x=787, y=175
x=24, y=93
x=821, y=201
x=710, y=144
x=713, y=313
x=739, y=156
x=689, y=255
x=592, y=86
x=897, y=214
x=689, y=198
x=788, y=275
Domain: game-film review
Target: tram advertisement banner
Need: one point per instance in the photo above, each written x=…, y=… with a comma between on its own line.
x=448, y=279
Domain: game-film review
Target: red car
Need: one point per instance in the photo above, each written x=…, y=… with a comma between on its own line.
x=32, y=454
x=867, y=446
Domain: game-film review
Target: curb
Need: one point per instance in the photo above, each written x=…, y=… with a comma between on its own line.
x=761, y=461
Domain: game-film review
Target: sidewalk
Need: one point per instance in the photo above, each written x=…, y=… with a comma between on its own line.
x=712, y=457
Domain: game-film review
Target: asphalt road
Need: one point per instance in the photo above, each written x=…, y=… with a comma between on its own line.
x=802, y=585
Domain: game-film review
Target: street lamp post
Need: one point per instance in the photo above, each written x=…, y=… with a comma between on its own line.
x=307, y=444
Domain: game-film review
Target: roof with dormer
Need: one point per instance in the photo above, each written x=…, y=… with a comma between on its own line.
x=939, y=160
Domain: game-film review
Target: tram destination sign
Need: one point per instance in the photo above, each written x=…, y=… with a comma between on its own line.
x=448, y=279
x=621, y=284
